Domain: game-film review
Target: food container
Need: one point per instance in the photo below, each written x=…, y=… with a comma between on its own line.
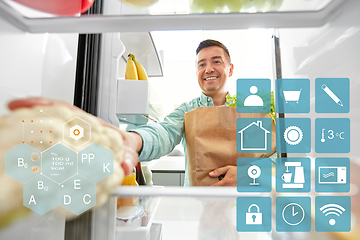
x=129, y=216
x=128, y=201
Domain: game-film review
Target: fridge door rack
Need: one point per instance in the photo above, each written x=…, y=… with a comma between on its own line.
x=133, y=102
x=150, y=205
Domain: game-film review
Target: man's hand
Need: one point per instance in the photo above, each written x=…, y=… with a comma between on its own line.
x=230, y=178
x=130, y=145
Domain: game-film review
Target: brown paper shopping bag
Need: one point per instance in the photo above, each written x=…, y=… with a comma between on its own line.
x=210, y=134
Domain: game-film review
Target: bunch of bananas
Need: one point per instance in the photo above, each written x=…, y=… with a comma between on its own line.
x=134, y=69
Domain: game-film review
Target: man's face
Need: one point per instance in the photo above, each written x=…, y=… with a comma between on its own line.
x=213, y=70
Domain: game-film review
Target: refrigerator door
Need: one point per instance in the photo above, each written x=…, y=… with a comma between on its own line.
x=33, y=65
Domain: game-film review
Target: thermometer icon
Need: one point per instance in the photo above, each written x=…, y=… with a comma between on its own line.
x=331, y=135
x=331, y=94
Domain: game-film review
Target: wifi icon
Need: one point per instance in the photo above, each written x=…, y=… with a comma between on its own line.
x=332, y=209
x=333, y=213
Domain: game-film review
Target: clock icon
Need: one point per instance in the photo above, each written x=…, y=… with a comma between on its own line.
x=293, y=214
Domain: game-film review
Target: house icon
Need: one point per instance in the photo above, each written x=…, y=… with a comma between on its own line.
x=254, y=137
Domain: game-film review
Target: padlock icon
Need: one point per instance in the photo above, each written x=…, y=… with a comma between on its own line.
x=253, y=218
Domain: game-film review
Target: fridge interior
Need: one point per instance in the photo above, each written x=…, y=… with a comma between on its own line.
x=39, y=53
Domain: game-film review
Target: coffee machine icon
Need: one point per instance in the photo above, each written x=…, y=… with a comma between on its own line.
x=293, y=182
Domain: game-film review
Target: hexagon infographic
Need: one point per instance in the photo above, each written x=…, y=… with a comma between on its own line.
x=41, y=194
x=96, y=162
x=76, y=132
x=39, y=129
x=22, y=162
x=58, y=175
x=59, y=163
x=77, y=194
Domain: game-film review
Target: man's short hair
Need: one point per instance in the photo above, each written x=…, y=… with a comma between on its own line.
x=211, y=43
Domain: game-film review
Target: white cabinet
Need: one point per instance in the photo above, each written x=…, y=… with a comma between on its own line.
x=168, y=171
x=166, y=178
x=170, y=178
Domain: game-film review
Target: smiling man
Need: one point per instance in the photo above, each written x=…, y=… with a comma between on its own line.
x=213, y=68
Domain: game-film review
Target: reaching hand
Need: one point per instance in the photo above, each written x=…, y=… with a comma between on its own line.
x=230, y=178
x=130, y=153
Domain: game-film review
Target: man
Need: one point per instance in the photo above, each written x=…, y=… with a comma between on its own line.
x=153, y=141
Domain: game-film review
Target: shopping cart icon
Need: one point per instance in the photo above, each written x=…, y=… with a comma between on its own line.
x=292, y=96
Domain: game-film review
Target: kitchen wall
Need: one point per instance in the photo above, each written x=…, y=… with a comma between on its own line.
x=250, y=52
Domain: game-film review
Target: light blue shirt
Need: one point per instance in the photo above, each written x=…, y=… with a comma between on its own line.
x=161, y=138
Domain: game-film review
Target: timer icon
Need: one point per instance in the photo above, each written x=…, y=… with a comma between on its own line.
x=293, y=214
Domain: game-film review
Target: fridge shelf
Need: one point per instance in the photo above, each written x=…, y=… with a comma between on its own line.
x=176, y=19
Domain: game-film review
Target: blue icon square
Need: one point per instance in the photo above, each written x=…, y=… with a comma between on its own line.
x=253, y=95
x=332, y=213
x=332, y=95
x=332, y=174
x=332, y=135
x=293, y=214
x=292, y=95
x=254, y=174
x=253, y=135
x=253, y=214
x=293, y=135
x=293, y=175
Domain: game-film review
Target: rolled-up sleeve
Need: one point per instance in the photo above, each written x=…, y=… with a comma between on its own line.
x=161, y=138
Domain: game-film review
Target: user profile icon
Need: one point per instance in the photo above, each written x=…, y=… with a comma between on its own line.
x=254, y=172
x=253, y=95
